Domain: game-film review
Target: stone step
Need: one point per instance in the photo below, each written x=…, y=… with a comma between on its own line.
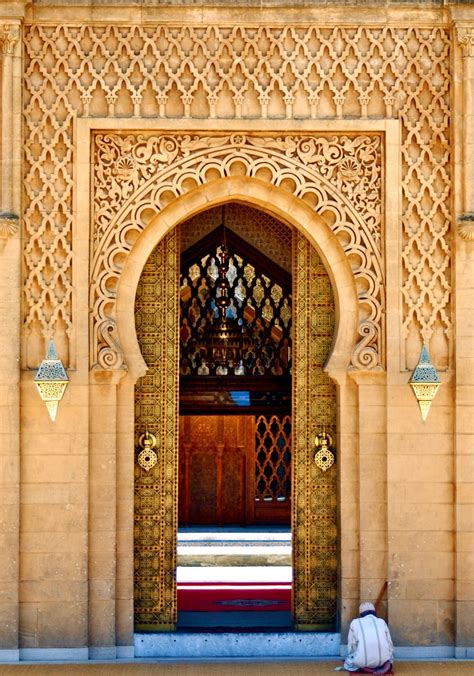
x=233, y=534
x=234, y=574
x=237, y=555
x=243, y=644
x=238, y=547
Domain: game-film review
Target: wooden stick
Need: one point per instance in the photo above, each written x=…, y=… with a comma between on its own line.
x=380, y=596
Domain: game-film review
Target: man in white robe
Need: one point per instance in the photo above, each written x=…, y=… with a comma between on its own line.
x=369, y=642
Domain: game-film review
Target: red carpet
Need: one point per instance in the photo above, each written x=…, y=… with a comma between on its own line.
x=219, y=597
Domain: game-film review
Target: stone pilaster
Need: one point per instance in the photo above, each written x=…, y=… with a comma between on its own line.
x=103, y=514
x=372, y=482
x=10, y=112
x=464, y=285
x=465, y=36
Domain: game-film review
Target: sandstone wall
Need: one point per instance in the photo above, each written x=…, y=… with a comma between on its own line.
x=406, y=487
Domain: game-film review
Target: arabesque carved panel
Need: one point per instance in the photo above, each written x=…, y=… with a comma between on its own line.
x=241, y=72
x=339, y=176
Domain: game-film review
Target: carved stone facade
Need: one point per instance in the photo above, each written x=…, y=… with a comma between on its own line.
x=349, y=131
x=242, y=73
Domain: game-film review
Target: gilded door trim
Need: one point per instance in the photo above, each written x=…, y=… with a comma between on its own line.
x=156, y=409
x=314, y=506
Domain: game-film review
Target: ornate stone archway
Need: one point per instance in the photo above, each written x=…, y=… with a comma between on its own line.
x=138, y=176
x=147, y=184
x=314, y=493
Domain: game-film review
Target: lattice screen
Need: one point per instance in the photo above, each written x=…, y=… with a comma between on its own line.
x=260, y=305
x=273, y=458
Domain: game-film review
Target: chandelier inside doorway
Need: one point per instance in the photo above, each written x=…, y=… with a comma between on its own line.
x=235, y=306
x=225, y=339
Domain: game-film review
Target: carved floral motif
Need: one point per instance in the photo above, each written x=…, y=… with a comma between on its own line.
x=466, y=227
x=8, y=225
x=352, y=165
x=466, y=40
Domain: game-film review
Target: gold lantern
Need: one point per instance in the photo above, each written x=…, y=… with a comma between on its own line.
x=424, y=382
x=51, y=380
x=224, y=340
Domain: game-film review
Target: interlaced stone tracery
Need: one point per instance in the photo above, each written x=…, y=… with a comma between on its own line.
x=239, y=72
x=244, y=73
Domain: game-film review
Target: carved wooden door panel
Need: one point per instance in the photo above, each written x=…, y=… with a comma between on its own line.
x=235, y=470
x=213, y=459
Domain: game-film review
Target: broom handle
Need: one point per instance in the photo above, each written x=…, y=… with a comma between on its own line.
x=380, y=596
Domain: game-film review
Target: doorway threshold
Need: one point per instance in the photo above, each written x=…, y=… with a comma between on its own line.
x=225, y=644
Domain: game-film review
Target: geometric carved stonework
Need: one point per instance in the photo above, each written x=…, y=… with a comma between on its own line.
x=210, y=71
x=136, y=175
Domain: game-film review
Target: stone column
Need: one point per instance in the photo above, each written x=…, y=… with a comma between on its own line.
x=103, y=513
x=464, y=304
x=372, y=420
x=124, y=624
x=10, y=256
x=347, y=458
x=465, y=99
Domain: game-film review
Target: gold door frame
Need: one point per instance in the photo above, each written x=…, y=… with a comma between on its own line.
x=314, y=505
x=314, y=492
x=156, y=409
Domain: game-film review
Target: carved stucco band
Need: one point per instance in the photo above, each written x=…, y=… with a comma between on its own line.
x=137, y=175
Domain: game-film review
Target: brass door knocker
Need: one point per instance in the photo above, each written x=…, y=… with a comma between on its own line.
x=324, y=456
x=147, y=457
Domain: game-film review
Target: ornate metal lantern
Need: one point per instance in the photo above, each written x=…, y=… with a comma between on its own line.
x=51, y=380
x=224, y=341
x=424, y=382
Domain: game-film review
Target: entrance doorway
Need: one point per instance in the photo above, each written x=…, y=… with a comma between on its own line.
x=272, y=379
x=234, y=434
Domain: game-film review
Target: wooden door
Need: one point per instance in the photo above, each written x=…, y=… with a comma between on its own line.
x=234, y=470
x=213, y=469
